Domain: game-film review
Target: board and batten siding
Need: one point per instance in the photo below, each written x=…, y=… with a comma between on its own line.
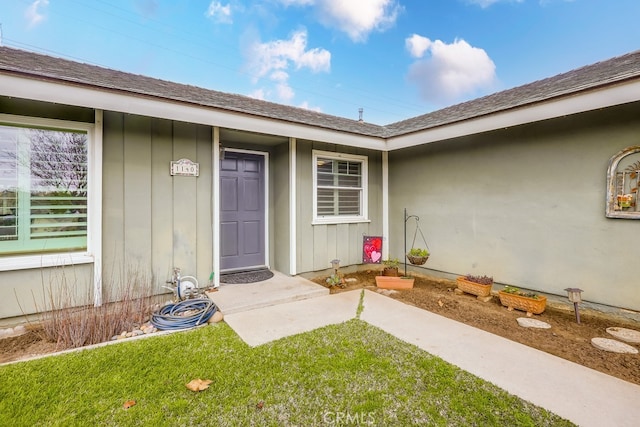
x=525, y=205
x=149, y=215
x=319, y=244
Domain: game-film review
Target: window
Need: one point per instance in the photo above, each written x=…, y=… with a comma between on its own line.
x=43, y=189
x=340, y=187
x=623, y=181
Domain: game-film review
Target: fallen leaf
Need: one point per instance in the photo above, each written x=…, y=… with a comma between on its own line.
x=260, y=405
x=440, y=303
x=128, y=404
x=198, y=384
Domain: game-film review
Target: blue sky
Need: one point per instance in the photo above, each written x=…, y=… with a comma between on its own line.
x=395, y=59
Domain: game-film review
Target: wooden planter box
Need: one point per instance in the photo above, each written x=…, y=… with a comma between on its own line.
x=389, y=282
x=520, y=302
x=473, y=288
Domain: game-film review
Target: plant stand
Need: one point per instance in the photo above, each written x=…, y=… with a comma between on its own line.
x=415, y=260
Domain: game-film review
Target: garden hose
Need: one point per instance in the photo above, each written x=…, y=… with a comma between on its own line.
x=184, y=314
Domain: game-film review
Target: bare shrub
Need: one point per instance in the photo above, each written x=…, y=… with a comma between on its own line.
x=69, y=319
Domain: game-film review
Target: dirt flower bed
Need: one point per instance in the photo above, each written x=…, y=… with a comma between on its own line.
x=565, y=339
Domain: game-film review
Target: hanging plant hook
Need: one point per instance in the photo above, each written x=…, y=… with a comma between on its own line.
x=417, y=260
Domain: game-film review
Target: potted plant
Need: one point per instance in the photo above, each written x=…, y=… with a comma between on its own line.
x=418, y=256
x=530, y=302
x=479, y=286
x=335, y=280
x=390, y=278
x=390, y=267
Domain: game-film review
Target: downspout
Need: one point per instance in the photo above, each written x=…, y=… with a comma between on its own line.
x=385, y=204
x=293, y=247
x=215, y=200
x=94, y=245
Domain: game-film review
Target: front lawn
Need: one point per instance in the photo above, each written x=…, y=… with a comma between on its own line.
x=347, y=374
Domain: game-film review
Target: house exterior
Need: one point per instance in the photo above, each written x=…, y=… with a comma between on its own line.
x=522, y=184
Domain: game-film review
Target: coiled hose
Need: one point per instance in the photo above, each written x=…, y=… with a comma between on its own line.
x=184, y=314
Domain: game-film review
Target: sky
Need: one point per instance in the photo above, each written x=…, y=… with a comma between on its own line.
x=394, y=59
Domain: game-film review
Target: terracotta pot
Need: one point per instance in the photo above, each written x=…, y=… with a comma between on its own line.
x=388, y=282
x=473, y=288
x=390, y=271
x=520, y=302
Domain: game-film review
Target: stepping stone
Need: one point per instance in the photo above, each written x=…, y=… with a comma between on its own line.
x=526, y=322
x=613, y=346
x=624, y=334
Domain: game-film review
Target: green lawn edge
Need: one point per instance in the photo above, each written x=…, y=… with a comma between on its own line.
x=346, y=374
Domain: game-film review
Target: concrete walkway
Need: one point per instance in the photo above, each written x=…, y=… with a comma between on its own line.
x=582, y=395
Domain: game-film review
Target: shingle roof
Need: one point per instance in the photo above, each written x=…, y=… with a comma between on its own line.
x=600, y=74
x=58, y=69
x=34, y=65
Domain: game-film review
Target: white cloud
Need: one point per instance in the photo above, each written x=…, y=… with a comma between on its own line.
x=274, y=59
x=356, y=18
x=280, y=54
x=452, y=71
x=306, y=106
x=34, y=13
x=285, y=92
x=486, y=3
x=417, y=45
x=297, y=2
x=219, y=13
x=257, y=94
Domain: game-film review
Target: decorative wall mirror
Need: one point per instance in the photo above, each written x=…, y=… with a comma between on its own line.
x=623, y=181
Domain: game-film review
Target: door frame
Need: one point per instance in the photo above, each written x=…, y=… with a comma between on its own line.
x=265, y=155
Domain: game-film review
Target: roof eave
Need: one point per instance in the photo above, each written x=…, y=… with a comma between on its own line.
x=55, y=90
x=568, y=104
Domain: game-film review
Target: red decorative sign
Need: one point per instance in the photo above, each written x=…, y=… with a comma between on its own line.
x=372, y=250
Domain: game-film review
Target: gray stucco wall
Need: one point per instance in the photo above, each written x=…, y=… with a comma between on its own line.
x=526, y=205
x=319, y=244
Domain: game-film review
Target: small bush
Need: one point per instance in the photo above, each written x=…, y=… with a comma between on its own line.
x=71, y=321
x=482, y=280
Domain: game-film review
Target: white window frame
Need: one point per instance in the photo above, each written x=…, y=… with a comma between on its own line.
x=364, y=205
x=94, y=195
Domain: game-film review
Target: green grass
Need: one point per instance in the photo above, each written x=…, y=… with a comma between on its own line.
x=347, y=374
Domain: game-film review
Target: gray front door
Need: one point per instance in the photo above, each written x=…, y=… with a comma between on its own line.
x=242, y=215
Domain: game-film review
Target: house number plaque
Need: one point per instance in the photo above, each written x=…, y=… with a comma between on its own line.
x=184, y=167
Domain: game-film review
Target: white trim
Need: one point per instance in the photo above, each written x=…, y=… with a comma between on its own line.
x=264, y=154
x=293, y=207
x=364, y=205
x=94, y=225
x=146, y=105
x=94, y=239
x=216, y=206
x=577, y=103
x=385, y=205
x=42, y=261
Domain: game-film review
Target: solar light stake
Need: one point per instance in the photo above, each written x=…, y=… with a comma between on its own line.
x=575, y=297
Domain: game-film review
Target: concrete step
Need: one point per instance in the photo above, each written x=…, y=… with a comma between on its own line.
x=280, y=289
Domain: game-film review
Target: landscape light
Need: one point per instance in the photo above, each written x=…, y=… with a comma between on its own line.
x=575, y=297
